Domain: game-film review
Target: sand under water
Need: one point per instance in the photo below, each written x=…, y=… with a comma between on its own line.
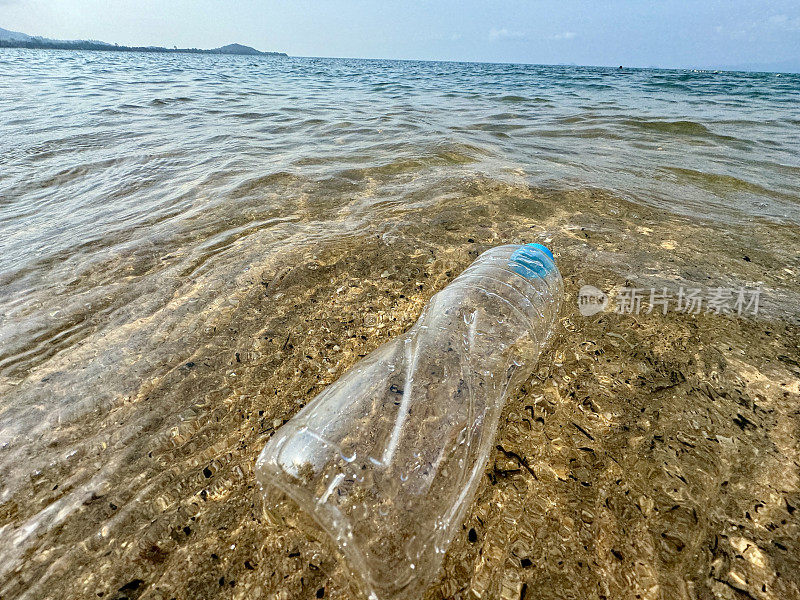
x=650, y=456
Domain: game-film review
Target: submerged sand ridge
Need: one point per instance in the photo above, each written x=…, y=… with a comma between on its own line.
x=651, y=456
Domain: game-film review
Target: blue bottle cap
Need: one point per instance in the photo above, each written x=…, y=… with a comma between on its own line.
x=544, y=249
x=532, y=260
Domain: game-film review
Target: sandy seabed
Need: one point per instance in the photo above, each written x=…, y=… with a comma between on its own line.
x=650, y=456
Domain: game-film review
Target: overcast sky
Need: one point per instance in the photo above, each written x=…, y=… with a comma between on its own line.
x=666, y=33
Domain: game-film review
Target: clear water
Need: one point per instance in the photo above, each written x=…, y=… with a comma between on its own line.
x=145, y=198
x=119, y=166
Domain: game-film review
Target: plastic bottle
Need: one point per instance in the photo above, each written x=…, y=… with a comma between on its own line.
x=387, y=459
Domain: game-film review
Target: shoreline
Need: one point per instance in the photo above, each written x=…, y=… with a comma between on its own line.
x=102, y=47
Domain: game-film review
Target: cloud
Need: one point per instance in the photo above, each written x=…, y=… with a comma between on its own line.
x=440, y=37
x=784, y=22
x=505, y=34
x=567, y=35
x=756, y=30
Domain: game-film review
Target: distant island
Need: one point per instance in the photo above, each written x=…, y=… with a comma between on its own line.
x=15, y=39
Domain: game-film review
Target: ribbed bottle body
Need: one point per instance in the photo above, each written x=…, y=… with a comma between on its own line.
x=388, y=458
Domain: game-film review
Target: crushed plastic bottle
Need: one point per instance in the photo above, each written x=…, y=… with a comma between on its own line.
x=387, y=459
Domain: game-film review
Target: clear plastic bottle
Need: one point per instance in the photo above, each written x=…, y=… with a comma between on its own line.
x=387, y=459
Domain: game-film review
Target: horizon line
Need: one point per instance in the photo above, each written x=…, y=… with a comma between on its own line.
x=743, y=68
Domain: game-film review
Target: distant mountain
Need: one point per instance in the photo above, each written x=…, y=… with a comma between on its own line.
x=13, y=36
x=16, y=36
x=238, y=49
x=15, y=39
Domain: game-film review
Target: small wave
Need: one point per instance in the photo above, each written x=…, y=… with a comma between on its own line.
x=512, y=98
x=505, y=116
x=588, y=133
x=594, y=86
x=109, y=112
x=250, y=116
x=66, y=175
x=720, y=184
x=439, y=156
x=494, y=127
x=576, y=119
x=43, y=344
x=690, y=128
x=391, y=85
x=168, y=101
x=257, y=184
x=668, y=85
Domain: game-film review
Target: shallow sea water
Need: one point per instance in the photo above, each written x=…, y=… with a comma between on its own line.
x=192, y=247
